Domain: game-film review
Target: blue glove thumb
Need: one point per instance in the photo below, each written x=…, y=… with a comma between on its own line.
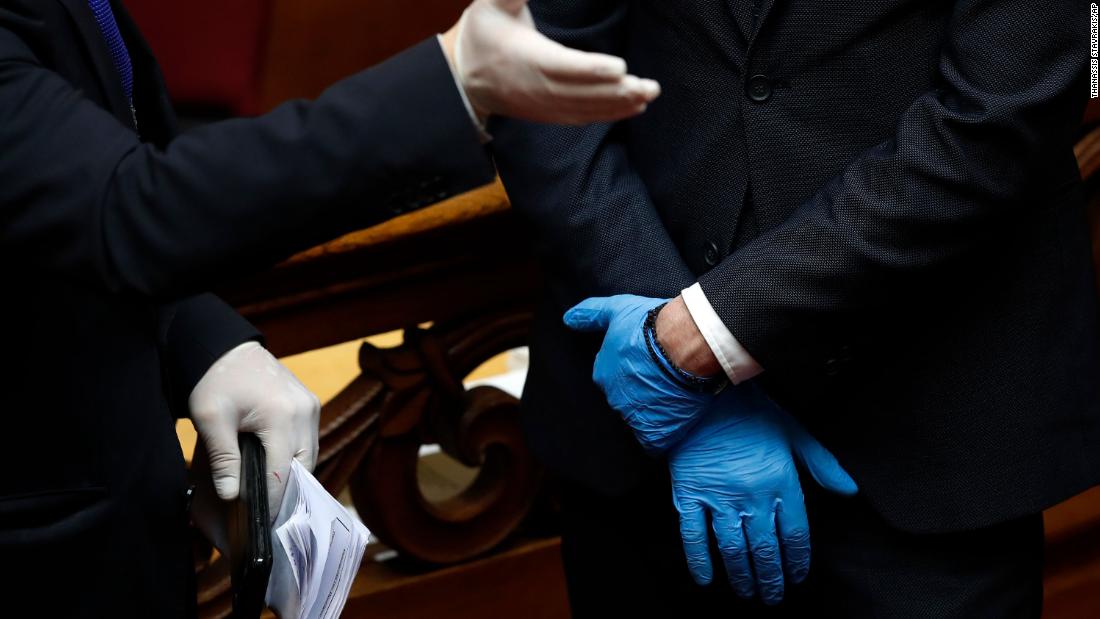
x=592, y=314
x=821, y=464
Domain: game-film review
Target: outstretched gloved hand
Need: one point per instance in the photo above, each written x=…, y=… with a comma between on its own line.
x=736, y=470
x=507, y=67
x=658, y=408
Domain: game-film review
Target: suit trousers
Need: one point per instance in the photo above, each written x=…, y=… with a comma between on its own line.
x=623, y=557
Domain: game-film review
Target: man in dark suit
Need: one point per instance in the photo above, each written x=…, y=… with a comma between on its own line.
x=873, y=211
x=111, y=225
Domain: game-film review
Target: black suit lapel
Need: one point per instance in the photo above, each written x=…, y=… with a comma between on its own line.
x=750, y=16
x=741, y=10
x=97, y=51
x=758, y=14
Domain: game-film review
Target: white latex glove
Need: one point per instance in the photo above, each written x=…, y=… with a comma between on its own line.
x=248, y=390
x=507, y=67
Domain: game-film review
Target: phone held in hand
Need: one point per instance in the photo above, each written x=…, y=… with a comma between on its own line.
x=250, y=533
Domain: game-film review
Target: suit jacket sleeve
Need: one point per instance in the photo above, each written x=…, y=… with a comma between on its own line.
x=591, y=213
x=194, y=333
x=83, y=198
x=965, y=157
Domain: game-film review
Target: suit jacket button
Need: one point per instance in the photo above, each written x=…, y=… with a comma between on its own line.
x=710, y=254
x=759, y=88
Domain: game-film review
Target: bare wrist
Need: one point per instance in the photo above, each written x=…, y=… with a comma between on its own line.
x=449, y=41
x=684, y=343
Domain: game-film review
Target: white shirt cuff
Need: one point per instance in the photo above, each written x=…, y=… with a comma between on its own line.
x=737, y=363
x=482, y=134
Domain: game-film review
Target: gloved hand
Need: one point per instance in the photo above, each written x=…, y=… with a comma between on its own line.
x=736, y=467
x=248, y=390
x=659, y=408
x=507, y=67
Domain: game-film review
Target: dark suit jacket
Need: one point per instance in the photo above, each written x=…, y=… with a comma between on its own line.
x=106, y=242
x=881, y=202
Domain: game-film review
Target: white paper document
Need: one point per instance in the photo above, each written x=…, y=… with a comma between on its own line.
x=317, y=547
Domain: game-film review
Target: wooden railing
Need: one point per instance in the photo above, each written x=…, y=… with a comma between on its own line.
x=464, y=267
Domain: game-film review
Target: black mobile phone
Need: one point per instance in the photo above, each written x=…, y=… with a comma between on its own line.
x=250, y=533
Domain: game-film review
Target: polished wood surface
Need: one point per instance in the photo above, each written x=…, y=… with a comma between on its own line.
x=440, y=263
x=321, y=41
x=1071, y=584
x=523, y=580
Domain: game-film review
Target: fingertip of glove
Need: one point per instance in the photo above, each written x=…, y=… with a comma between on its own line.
x=834, y=478
x=647, y=89
x=227, y=488
x=609, y=67
x=702, y=579
x=744, y=594
x=771, y=601
x=573, y=319
x=845, y=485
x=583, y=317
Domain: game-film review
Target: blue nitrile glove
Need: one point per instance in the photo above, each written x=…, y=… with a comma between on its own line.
x=736, y=466
x=659, y=408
